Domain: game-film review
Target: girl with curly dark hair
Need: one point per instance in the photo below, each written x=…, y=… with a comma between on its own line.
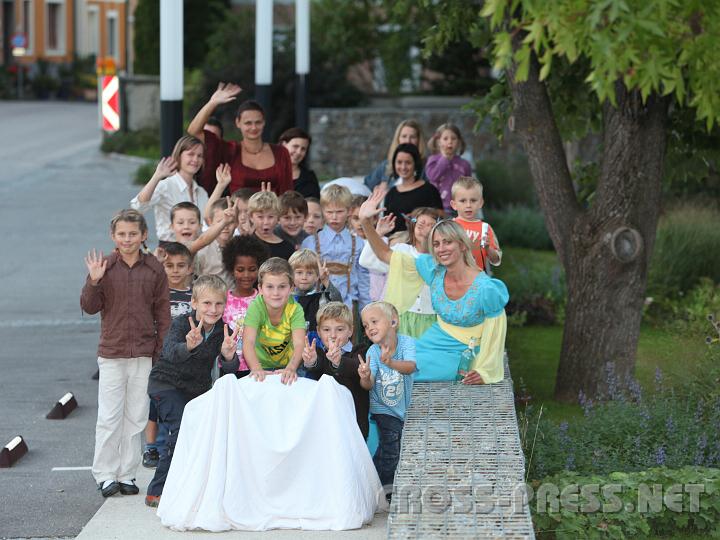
x=242, y=257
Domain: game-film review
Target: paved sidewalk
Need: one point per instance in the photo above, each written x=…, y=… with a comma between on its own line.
x=122, y=518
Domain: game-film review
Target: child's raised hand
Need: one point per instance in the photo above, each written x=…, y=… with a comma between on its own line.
x=165, y=167
x=246, y=227
x=363, y=368
x=333, y=353
x=324, y=276
x=230, y=213
x=309, y=354
x=265, y=186
x=225, y=93
x=96, y=265
x=385, y=224
x=385, y=354
x=222, y=174
x=194, y=336
x=370, y=208
x=160, y=254
x=229, y=344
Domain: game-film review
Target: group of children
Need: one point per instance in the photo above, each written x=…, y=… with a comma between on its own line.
x=272, y=285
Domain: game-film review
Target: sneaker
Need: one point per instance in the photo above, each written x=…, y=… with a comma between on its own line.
x=109, y=488
x=128, y=487
x=152, y=500
x=150, y=458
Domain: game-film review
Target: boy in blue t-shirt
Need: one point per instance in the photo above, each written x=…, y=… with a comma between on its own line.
x=387, y=374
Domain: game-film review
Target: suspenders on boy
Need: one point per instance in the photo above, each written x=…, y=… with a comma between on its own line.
x=337, y=268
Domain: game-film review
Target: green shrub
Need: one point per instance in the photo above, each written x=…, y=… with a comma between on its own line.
x=686, y=312
x=143, y=143
x=143, y=173
x=628, y=432
x=621, y=505
x=520, y=226
x=536, y=284
x=686, y=249
x=506, y=182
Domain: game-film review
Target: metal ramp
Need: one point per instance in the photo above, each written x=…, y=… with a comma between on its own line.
x=461, y=471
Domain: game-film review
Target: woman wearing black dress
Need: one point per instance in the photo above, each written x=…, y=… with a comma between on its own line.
x=297, y=142
x=410, y=191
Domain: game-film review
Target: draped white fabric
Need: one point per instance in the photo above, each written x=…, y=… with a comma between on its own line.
x=261, y=455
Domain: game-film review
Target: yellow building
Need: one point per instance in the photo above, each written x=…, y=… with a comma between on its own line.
x=58, y=29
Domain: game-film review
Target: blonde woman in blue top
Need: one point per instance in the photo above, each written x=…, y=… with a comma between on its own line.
x=469, y=304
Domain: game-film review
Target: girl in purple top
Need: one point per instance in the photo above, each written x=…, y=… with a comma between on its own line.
x=445, y=165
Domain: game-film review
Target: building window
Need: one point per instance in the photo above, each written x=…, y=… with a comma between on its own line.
x=93, y=31
x=113, y=47
x=55, y=27
x=27, y=24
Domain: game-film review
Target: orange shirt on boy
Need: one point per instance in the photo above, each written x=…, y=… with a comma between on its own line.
x=474, y=232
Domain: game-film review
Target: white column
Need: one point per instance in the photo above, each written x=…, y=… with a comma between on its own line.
x=263, y=41
x=302, y=37
x=171, y=73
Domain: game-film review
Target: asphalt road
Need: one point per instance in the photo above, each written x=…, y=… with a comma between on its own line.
x=57, y=194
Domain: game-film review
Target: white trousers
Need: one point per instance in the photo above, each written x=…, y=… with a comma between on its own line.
x=123, y=406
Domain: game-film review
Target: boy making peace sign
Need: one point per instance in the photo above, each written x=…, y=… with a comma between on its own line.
x=183, y=371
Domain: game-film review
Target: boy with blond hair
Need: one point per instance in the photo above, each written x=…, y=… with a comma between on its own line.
x=191, y=348
x=339, y=248
x=313, y=287
x=467, y=200
x=264, y=211
x=336, y=357
x=387, y=373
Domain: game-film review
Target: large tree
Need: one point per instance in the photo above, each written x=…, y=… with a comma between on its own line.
x=627, y=69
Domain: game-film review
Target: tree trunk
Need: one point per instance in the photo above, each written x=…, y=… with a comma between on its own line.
x=606, y=289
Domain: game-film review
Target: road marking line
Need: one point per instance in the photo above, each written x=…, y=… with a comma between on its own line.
x=47, y=322
x=60, y=469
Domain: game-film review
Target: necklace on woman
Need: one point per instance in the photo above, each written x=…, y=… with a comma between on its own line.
x=245, y=148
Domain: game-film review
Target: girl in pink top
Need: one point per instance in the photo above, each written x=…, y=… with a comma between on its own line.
x=242, y=256
x=445, y=165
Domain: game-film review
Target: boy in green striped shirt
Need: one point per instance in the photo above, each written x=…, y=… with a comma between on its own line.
x=274, y=331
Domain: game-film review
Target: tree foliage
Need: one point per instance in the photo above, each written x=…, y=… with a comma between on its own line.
x=231, y=57
x=666, y=47
x=201, y=18
x=643, y=76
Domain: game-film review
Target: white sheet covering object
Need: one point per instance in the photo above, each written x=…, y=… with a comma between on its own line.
x=261, y=455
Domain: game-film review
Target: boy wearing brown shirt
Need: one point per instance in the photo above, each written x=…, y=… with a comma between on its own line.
x=130, y=290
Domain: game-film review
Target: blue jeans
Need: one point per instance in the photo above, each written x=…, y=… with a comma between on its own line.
x=387, y=454
x=170, y=407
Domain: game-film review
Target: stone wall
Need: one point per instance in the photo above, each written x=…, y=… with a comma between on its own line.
x=141, y=101
x=351, y=142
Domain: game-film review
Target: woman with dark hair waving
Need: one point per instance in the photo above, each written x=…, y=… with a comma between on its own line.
x=410, y=190
x=252, y=161
x=297, y=142
x=470, y=306
x=407, y=131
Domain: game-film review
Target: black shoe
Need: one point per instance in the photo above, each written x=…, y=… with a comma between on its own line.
x=129, y=489
x=111, y=489
x=150, y=458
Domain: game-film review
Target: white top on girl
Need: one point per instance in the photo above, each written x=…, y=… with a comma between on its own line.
x=168, y=193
